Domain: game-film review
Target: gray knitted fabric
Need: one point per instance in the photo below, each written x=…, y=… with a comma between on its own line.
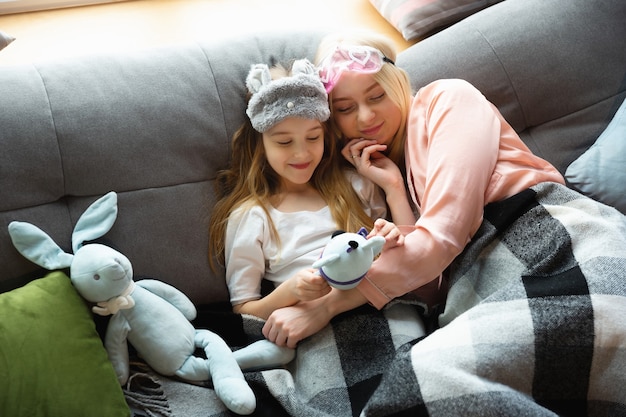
x=299, y=95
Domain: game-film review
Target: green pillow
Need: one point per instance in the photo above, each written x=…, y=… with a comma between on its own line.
x=52, y=362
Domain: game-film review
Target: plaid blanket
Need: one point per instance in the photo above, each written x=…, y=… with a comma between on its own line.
x=337, y=370
x=534, y=321
x=334, y=373
x=533, y=326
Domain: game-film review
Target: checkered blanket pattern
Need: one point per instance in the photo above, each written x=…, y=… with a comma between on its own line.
x=534, y=323
x=336, y=371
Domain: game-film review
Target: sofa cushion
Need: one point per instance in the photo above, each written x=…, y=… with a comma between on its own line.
x=600, y=172
x=557, y=95
x=52, y=361
x=417, y=18
x=154, y=125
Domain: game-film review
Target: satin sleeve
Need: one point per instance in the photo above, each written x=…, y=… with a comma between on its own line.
x=451, y=153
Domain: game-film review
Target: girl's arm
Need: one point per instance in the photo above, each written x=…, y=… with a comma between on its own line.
x=306, y=285
x=244, y=257
x=287, y=326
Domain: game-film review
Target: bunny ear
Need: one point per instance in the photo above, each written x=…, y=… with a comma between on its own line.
x=38, y=247
x=325, y=260
x=376, y=243
x=258, y=76
x=96, y=220
x=303, y=66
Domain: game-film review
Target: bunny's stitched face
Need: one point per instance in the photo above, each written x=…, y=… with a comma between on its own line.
x=100, y=273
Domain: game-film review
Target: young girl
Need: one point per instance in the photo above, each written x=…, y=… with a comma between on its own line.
x=285, y=193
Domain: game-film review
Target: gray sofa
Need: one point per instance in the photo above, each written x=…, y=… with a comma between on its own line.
x=155, y=126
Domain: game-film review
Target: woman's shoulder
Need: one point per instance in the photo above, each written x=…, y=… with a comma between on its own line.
x=446, y=86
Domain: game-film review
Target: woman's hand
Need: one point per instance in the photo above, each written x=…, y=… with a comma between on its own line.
x=392, y=234
x=289, y=325
x=368, y=158
x=370, y=162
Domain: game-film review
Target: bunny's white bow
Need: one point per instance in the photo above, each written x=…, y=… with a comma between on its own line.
x=123, y=301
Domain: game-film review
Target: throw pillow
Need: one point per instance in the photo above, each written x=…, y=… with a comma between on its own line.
x=5, y=39
x=52, y=362
x=600, y=172
x=417, y=18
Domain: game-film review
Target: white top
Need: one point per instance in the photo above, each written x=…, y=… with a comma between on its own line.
x=251, y=253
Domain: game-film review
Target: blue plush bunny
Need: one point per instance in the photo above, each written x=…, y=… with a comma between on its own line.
x=152, y=315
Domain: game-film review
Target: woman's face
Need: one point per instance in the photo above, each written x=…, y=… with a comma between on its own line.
x=294, y=149
x=362, y=109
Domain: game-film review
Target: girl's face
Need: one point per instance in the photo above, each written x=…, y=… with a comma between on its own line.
x=294, y=148
x=362, y=109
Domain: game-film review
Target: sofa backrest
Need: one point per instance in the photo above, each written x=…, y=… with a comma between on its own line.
x=154, y=126
x=556, y=69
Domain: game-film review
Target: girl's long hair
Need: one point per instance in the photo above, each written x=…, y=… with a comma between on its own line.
x=250, y=181
x=394, y=80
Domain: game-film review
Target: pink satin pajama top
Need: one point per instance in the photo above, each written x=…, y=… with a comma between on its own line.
x=460, y=155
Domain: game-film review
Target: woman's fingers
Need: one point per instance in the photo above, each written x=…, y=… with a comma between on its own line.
x=357, y=150
x=352, y=150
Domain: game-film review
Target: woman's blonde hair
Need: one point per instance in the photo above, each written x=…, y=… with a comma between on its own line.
x=392, y=79
x=250, y=181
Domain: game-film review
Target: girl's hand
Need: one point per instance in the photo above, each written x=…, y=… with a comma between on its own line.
x=392, y=234
x=308, y=285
